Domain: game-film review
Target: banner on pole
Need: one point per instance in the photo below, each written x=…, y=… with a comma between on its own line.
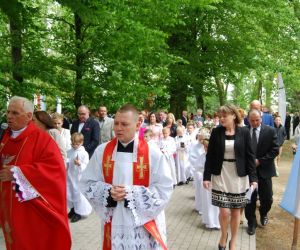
x=281, y=98
x=291, y=197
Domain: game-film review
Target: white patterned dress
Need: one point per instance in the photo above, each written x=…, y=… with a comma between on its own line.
x=229, y=189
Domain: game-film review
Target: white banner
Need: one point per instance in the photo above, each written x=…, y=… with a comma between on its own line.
x=281, y=98
x=58, y=105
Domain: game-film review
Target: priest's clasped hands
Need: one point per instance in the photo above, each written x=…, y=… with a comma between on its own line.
x=118, y=193
x=6, y=174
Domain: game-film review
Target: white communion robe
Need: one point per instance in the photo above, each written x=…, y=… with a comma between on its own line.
x=191, y=139
x=75, y=198
x=168, y=148
x=210, y=213
x=145, y=203
x=182, y=161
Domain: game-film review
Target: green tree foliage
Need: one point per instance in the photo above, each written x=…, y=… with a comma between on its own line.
x=154, y=54
x=232, y=43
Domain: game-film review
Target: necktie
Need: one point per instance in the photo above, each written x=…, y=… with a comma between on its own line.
x=254, y=140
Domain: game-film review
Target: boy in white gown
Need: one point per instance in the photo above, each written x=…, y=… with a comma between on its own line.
x=77, y=161
x=168, y=148
x=210, y=213
x=129, y=184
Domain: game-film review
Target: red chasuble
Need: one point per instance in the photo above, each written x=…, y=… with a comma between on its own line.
x=141, y=176
x=40, y=223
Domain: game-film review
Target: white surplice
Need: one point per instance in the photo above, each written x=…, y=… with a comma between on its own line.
x=210, y=213
x=145, y=203
x=75, y=198
x=168, y=148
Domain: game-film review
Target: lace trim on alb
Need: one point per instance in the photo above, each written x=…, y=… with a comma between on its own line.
x=143, y=204
x=128, y=238
x=24, y=190
x=97, y=194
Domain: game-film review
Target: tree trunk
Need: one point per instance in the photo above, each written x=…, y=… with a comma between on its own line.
x=15, y=28
x=259, y=90
x=199, y=96
x=78, y=62
x=178, y=97
x=14, y=9
x=200, y=102
x=221, y=90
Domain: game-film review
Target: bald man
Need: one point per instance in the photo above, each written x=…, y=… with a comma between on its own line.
x=267, y=118
x=89, y=127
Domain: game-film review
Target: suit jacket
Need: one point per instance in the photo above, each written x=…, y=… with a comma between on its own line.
x=106, y=130
x=267, y=150
x=184, y=120
x=244, y=155
x=90, y=132
x=287, y=123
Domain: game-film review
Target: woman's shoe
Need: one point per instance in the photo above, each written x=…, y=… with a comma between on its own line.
x=223, y=247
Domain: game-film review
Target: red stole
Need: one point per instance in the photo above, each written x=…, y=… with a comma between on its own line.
x=141, y=177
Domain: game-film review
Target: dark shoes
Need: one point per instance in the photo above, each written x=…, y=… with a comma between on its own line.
x=251, y=229
x=76, y=218
x=71, y=213
x=223, y=247
x=73, y=216
x=180, y=183
x=264, y=220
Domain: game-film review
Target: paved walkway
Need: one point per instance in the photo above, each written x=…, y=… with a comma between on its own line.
x=185, y=230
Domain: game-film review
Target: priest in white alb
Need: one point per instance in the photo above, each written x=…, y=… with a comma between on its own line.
x=129, y=183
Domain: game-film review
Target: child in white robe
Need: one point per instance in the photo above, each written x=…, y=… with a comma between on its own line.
x=191, y=134
x=77, y=161
x=210, y=213
x=149, y=137
x=168, y=147
x=181, y=158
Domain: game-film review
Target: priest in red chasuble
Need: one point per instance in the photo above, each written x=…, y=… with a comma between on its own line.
x=33, y=212
x=129, y=184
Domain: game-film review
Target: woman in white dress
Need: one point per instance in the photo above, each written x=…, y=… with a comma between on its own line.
x=229, y=167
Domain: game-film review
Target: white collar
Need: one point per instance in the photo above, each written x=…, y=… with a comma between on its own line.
x=16, y=133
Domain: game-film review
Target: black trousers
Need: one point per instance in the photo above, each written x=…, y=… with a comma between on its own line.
x=265, y=193
x=287, y=130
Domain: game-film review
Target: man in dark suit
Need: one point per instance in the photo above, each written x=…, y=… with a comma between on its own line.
x=89, y=127
x=295, y=121
x=184, y=118
x=265, y=146
x=287, y=125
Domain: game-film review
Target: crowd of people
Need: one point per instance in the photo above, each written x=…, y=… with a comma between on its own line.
x=126, y=167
